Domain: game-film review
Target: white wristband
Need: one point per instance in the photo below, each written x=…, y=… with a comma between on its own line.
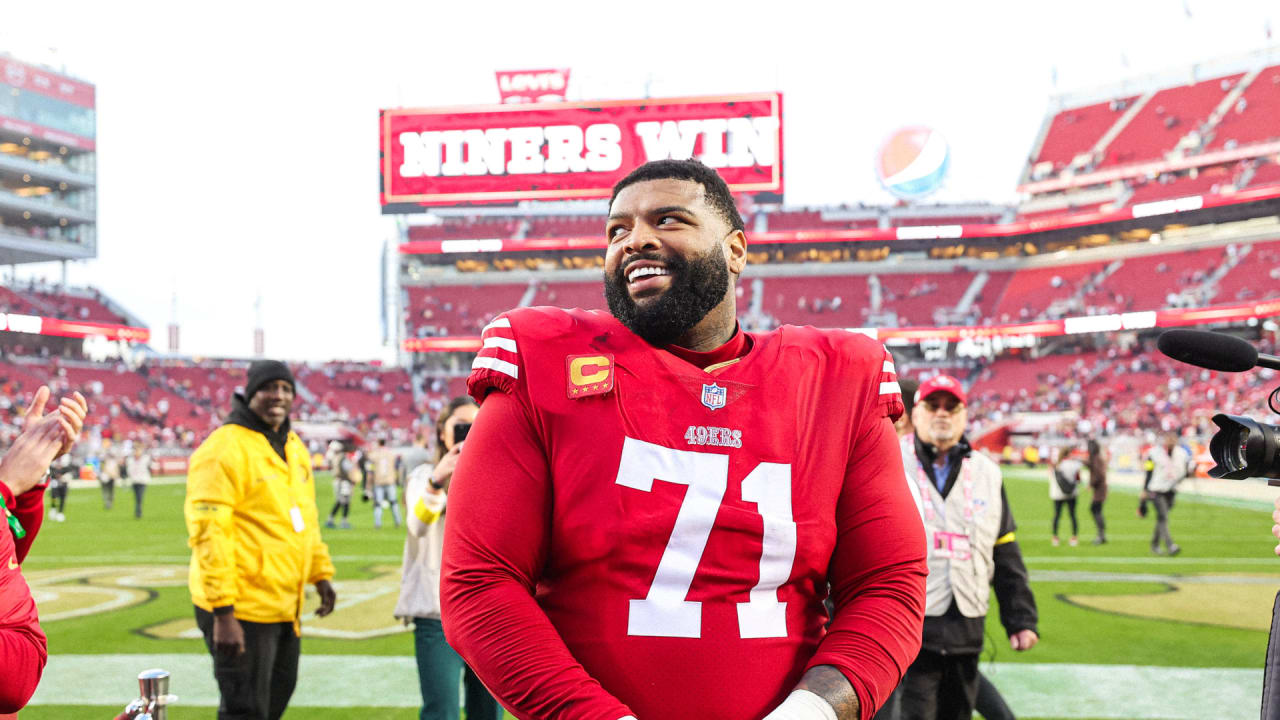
x=803, y=705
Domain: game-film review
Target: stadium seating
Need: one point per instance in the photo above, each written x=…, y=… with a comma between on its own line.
x=47, y=301
x=1170, y=114
x=909, y=299
x=458, y=309
x=821, y=301
x=813, y=220
x=12, y=302
x=1137, y=390
x=1266, y=174
x=585, y=295
x=1058, y=212
x=1030, y=292
x=1077, y=130
x=915, y=298
x=466, y=229
x=359, y=393
x=1257, y=277
x=569, y=226
x=945, y=220
x=1254, y=119
x=1209, y=181
x=1163, y=277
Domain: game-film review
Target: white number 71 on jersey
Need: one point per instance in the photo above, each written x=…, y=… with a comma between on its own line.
x=665, y=612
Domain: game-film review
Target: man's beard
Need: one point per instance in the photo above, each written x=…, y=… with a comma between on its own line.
x=696, y=286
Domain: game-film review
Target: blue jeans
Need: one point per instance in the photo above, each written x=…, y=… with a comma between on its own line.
x=440, y=669
x=385, y=494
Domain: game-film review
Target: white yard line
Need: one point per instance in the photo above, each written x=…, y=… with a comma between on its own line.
x=1033, y=690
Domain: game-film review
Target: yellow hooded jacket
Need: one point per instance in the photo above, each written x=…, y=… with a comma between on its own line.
x=245, y=548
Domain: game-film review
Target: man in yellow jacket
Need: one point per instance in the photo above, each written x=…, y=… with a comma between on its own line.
x=255, y=545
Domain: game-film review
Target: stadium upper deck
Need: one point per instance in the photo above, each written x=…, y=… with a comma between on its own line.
x=48, y=183
x=1175, y=180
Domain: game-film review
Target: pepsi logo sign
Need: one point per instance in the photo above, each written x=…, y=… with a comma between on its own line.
x=912, y=162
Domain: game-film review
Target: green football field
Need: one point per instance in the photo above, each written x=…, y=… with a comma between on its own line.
x=1125, y=634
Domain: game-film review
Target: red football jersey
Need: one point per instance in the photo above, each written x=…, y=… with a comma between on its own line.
x=23, y=647
x=678, y=528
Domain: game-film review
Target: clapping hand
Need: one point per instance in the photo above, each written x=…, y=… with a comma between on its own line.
x=43, y=438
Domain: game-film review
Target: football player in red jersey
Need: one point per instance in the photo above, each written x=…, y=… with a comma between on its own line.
x=653, y=505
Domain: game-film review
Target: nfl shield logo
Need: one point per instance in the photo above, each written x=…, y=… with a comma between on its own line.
x=713, y=396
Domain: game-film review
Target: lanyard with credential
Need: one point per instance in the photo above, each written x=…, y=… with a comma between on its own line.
x=14, y=526
x=926, y=498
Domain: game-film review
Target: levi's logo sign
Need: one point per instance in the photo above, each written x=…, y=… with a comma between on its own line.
x=588, y=374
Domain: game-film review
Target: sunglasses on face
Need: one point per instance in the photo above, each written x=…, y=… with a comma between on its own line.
x=950, y=406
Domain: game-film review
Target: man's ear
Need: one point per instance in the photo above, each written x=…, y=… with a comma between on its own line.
x=735, y=244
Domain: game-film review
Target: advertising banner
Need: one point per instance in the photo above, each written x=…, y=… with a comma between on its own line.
x=38, y=80
x=562, y=151
x=74, y=328
x=532, y=86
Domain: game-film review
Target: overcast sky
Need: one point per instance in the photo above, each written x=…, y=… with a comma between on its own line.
x=237, y=142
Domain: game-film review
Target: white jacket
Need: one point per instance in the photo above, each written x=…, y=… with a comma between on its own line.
x=961, y=532
x=1170, y=468
x=1073, y=470
x=420, y=569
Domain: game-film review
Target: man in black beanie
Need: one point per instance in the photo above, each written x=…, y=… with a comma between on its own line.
x=255, y=545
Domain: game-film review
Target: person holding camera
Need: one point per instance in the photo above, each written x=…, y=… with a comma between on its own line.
x=439, y=667
x=23, y=470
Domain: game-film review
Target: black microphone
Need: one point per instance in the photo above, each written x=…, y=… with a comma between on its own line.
x=1214, y=351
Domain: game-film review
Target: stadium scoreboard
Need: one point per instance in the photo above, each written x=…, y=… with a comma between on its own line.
x=567, y=151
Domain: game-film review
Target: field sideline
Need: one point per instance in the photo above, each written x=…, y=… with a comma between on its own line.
x=1124, y=634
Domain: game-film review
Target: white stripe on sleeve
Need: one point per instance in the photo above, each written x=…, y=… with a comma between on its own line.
x=888, y=367
x=499, y=323
x=501, y=343
x=497, y=365
x=888, y=388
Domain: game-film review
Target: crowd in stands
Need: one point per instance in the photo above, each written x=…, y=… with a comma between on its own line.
x=1173, y=279
x=173, y=405
x=1116, y=391
x=37, y=297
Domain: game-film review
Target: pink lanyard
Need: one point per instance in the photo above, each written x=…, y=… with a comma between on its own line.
x=926, y=498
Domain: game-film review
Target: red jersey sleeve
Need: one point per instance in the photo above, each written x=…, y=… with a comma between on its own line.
x=878, y=568
x=29, y=510
x=498, y=365
x=23, y=648
x=492, y=561
x=887, y=401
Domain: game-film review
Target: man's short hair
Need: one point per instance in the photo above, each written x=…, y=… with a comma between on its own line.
x=713, y=186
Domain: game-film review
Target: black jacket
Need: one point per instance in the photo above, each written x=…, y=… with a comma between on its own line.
x=244, y=417
x=953, y=633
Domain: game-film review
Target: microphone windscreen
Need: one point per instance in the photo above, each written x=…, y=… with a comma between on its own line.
x=1211, y=350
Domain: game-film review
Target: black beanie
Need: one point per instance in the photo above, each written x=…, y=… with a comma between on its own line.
x=262, y=372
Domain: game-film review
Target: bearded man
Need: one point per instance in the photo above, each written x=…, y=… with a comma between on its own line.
x=654, y=504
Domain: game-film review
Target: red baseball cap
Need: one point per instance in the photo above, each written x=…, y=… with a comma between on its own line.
x=941, y=383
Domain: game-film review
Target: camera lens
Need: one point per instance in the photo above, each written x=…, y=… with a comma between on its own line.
x=1241, y=449
x=1244, y=448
